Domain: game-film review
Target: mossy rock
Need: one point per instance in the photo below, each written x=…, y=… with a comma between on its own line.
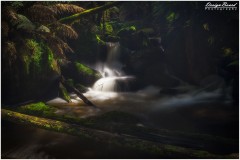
x=81, y=88
x=39, y=109
x=80, y=73
x=134, y=40
x=70, y=82
x=64, y=93
x=81, y=68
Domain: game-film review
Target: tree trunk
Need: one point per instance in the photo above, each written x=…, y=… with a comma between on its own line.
x=79, y=94
x=118, y=140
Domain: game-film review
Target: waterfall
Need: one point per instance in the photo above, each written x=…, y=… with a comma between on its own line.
x=111, y=71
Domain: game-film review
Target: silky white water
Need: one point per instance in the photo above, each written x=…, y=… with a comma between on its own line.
x=111, y=71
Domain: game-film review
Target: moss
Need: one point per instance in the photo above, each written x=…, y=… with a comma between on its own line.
x=159, y=149
x=72, y=130
x=171, y=148
x=99, y=40
x=84, y=69
x=77, y=16
x=57, y=126
x=133, y=28
x=35, y=52
x=108, y=28
x=171, y=17
x=126, y=31
x=35, y=107
x=38, y=58
x=39, y=108
x=70, y=82
x=35, y=121
x=64, y=93
x=47, y=126
x=50, y=58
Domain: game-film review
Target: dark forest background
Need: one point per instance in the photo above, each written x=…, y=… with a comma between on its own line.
x=162, y=43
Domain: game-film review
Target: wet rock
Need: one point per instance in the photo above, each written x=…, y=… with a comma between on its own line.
x=80, y=73
x=132, y=39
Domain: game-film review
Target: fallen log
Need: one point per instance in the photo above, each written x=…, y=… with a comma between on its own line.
x=128, y=141
x=79, y=94
x=75, y=17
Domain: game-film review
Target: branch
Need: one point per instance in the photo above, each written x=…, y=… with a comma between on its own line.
x=118, y=140
x=75, y=17
x=79, y=94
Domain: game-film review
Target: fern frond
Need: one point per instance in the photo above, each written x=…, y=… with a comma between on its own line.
x=57, y=50
x=9, y=14
x=42, y=14
x=58, y=46
x=64, y=45
x=65, y=31
x=23, y=22
x=66, y=8
x=67, y=48
x=43, y=29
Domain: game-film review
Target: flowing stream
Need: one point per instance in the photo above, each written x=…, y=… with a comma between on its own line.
x=111, y=71
x=194, y=110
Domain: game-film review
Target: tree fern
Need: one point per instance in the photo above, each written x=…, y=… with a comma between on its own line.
x=9, y=14
x=65, y=31
x=41, y=21
x=23, y=22
x=42, y=14
x=66, y=8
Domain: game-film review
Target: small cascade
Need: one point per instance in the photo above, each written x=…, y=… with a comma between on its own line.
x=114, y=78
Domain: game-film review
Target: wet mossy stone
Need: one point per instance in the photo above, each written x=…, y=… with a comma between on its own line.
x=80, y=73
x=134, y=40
x=81, y=88
x=64, y=93
x=81, y=68
x=39, y=108
x=70, y=82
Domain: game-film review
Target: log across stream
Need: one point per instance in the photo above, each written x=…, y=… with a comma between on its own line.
x=132, y=139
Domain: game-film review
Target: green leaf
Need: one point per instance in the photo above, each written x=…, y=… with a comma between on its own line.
x=234, y=63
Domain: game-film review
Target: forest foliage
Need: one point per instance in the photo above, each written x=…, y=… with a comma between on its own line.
x=38, y=37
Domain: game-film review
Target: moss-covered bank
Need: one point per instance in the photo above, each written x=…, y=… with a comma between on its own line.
x=161, y=150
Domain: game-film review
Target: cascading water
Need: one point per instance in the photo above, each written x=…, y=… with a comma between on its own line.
x=111, y=71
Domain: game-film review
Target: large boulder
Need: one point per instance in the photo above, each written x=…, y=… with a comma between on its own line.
x=80, y=73
x=149, y=68
x=132, y=39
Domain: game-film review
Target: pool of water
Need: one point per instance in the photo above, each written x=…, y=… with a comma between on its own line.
x=192, y=112
x=199, y=112
x=24, y=142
